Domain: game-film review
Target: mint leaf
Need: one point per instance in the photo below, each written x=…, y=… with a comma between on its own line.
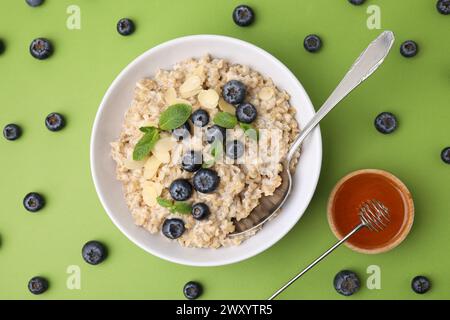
x=146, y=129
x=174, y=116
x=249, y=131
x=208, y=164
x=225, y=120
x=216, y=149
x=164, y=203
x=146, y=144
x=182, y=207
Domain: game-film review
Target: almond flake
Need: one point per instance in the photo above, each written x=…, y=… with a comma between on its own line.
x=266, y=93
x=170, y=95
x=191, y=87
x=226, y=107
x=162, y=149
x=150, y=191
x=208, y=98
x=134, y=165
x=151, y=167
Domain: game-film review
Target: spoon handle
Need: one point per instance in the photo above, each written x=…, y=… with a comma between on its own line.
x=364, y=66
x=316, y=261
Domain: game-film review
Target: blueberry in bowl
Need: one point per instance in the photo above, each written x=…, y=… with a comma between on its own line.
x=246, y=113
x=206, y=180
x=234, y=149
x=183, y=132
x=173, y=228
x=180, y=190
x=200, y=211
x=192, y=161
x=234, y=92
x=200, y=118
x=214, y=133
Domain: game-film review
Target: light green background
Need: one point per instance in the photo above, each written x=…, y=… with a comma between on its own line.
x=86, y=61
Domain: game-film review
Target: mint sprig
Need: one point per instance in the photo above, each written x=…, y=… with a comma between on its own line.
x=249, y=131
x=225, y=120
x=174, y=116
x=175, y=206
x=146, y=143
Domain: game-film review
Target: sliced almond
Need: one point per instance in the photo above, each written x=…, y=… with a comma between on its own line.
x=208, y=98
x=170, y=95
x=226, y=107
x=134, y=165
x=266, y=93
x=191, y=86
x=162, y=149
x=151, y=167
x=150, y=191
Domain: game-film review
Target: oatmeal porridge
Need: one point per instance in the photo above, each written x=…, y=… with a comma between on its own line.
x=189, y=153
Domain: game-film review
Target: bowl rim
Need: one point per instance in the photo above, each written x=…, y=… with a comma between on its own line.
x=409, y=204
x=314, y=179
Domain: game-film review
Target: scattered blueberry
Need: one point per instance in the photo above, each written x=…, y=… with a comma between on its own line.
x=246, y=113
x=312, y=43
x=12, y=132
x=420, y=284
x=409, y=49
x=234, y=149
x=346, y=283
x=180, y=190
x=445, y=155
x=182, y=132
x=55, y=121
x=37, y=285
x=41, y=48
x=215, y=132
x=94, y=252
x=357, y=2
x=173, y=228
x=443, y=6
x=33, y=202
x=125, y=26
x=206, y=180
x=192, y=161
x=192, y=290
x=234, y=92
x=200, y=118
x=2, y=46
x=200, y=211
x=243, y=16
x=34, y=3
x=386, y=122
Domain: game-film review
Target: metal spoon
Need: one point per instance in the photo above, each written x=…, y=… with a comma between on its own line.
x=364, y=66
x=373, y=215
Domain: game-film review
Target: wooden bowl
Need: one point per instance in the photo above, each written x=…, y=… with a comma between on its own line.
x=355, y=188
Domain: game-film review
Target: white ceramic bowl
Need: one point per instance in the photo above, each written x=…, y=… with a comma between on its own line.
x=108, y=123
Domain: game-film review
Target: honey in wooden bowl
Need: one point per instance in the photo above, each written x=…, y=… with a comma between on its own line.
x=359, y=186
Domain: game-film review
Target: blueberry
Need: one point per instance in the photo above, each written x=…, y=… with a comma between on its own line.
x=215, y=132
x=41, y=48
x=234, y=92
x=125, y=26
x=182, y=132
x=445, y=155
x=346, y=283
x=173, y=228
x=420, y=284
x=234, y=149
x=246, y=113
x=409, y=49
x=12, y=132
x=55, y=121
x=357, y=2
x=243, y=16
x=2, y=46
x=206, y=180
x=443, y=6
x=180, y=190
x=200, y=118
x=192, y=161
x=34, y=3
x=312, y=43
x=192, y=290
x=386, y=122
x=94, y=252
x=33, y=202
x=200, y=211
x=37, y=285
